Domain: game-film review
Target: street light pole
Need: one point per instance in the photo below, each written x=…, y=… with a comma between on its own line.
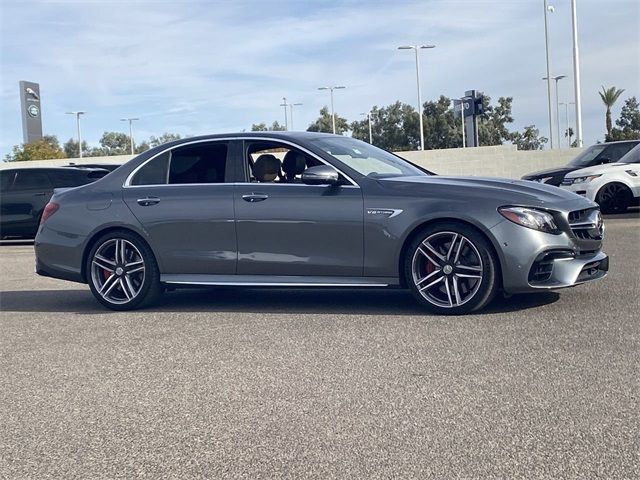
x=576, y=74
x=333, y=115
x=291, y=105
x=416, y=48
x=370, y=131
x=548, y=8
x=77, y=114
x=557, y=78
x=130, y=120
x=285, y=105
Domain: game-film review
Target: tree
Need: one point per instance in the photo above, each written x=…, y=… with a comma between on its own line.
x=114, y=143
x=492, y=124
x=628, y=125
x=394, y=127
x=568, y=133
x=70, y=148
x=164, y=138
x=324, y=123
x=46, y=148
x=609, y=97
x=442, y=128
x=529, y=139
x=259, y=127
x=141, y=147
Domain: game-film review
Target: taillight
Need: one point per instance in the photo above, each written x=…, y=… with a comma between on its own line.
x=49, y=210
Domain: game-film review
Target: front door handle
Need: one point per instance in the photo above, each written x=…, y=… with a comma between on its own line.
x=146, y=202
x=255, y=197
x=41, y=194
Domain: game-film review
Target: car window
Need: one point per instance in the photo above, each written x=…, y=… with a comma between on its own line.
x=586, y=158
x=199, y=163
x=6, y=179
x=616, y=152
x=633, y=156
x=62, y=178
x=153, y=172
x=31, y=180
x=271, y=161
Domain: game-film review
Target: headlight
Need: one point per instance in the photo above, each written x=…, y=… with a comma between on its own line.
x=530, y=218
x=586, y=179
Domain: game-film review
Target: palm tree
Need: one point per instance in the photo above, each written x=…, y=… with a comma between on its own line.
x=609, y=97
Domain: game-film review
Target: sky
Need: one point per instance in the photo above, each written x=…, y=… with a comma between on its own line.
x=197, y=67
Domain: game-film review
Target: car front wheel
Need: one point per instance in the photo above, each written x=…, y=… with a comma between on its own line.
x=122, y=272
x=451, y=269
x=614, y=198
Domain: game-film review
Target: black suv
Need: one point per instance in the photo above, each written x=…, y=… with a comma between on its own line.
x=598, y=154
x=24, y=192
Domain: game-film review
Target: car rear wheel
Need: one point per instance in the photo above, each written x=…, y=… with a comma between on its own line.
x=614, y=198
x=122, y=272
x=451, y=269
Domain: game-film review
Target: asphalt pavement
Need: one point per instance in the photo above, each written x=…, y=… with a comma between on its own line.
x=273, y=383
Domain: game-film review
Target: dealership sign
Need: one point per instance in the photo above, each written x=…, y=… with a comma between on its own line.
x=30, y=111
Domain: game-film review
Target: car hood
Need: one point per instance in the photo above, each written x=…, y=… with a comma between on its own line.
x=595, y=170
x=503, y=191
x=549, y=172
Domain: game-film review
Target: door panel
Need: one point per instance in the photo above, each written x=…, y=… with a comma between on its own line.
x=297, y=229
x=23, y=203
x=191, y=227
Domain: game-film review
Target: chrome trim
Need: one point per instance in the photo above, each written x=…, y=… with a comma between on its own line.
x=127, y=182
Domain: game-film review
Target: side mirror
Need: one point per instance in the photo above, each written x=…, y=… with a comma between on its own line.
x=320, y=175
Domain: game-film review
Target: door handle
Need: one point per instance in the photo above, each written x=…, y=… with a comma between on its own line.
x=41, y=194
x=255, y=197
x=146, y=202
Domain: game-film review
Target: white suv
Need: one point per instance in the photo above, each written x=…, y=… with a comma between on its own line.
x=614, y=186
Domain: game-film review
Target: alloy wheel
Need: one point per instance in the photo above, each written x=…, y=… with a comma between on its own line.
x=118, y=271
x=613, y=197
x=447, y=269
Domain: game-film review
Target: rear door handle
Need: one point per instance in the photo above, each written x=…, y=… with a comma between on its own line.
x=255, y=197
x=41, y=194
x=146, y=202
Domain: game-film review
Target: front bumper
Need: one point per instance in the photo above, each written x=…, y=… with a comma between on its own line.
x=533, y=261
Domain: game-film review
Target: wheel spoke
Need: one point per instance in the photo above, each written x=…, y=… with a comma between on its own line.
x=433, y=251
x=108, y=284
x=133, y=264
x=446, y=286
x=453, y=243
x=435, y=282
x=135, y=270
x=104, y=264
x=433, y=260
x=424, y=279
x=473, y=268
x=467, y=275
x=456, y=292
x=124, y=289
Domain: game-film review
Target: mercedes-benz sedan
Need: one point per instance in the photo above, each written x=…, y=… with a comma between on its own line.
x=313, y=210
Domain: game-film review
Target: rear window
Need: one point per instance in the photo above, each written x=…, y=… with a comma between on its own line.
x=69, y=178
x=31, y=180
x=6, y=179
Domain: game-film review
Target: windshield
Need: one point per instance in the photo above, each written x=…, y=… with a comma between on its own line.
x=632, y=157
x=366, y=159
x=586, y=157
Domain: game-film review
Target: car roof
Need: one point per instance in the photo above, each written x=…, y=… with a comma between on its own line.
x=54, y=169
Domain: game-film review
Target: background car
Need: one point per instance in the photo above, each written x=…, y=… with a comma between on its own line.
x=104, y=166
x=24, y=192
x=614, y=186
x=599, y=154
x=327, y=211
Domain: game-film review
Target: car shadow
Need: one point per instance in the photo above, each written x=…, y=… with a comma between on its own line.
x=263, y=300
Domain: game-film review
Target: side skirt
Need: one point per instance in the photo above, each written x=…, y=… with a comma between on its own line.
x=278, y=281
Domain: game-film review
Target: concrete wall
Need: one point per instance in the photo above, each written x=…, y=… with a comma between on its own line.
x=499, y=161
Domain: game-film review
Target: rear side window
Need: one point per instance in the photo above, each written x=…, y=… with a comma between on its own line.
x=154, y=172
x=202, y=163
x=70, y=178
x=6, y=179
x=31, y=180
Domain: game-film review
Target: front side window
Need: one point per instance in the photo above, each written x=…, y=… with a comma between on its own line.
x=366, y=159
x=616, y=152
x=274, y=162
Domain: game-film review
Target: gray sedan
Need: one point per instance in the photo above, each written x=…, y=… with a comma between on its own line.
x=313, y=210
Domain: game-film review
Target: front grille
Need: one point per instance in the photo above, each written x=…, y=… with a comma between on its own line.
x=586, y=224
x=567, y=181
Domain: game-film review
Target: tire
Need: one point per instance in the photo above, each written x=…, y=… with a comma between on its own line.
x=451, y=268
x=614, y=198
x=123, y=282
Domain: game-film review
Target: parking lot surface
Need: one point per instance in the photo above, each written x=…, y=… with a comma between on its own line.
x=324, y=384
